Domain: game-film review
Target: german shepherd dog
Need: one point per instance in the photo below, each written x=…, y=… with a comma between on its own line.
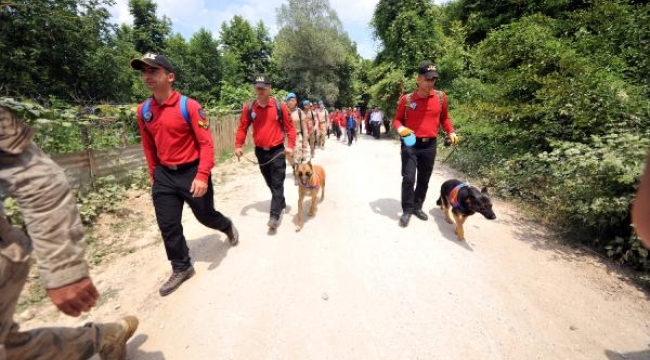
x=311, y=179
x=463, y=200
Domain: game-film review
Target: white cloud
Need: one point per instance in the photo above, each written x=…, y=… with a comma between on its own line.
x=120, y=12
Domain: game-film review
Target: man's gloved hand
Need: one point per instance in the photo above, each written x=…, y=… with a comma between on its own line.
x=454, y=138
x=404, y=131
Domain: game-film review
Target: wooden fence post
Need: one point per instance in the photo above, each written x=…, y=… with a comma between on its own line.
x=85, y=139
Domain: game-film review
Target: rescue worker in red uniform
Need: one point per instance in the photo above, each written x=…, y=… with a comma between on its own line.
x=270, y=119
x=179, y=150
x=421, y=112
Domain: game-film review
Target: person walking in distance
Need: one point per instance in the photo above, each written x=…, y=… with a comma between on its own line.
x=312, y=126
x=270, y=120
x=300, y=125
x=179, y=149
x=41, y=189
x=351, y=126
x=322, y=115
x=376, y=120
x=420, y=113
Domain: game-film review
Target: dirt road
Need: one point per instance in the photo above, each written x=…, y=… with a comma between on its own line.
x=354, y=285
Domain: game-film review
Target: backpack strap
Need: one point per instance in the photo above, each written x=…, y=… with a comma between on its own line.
x=278, y=108
x=300, y=117
x=250, y=110
x=145, y=108
x=185, y=112
x=407, y=104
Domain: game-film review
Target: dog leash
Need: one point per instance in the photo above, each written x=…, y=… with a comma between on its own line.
x=266, y=163
x=450, y=154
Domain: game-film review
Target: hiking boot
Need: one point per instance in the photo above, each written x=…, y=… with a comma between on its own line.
x=274, y=222
x=114, y=338
x=175, y=280
x=420, y=214
x=233, y=235
x=404, y=219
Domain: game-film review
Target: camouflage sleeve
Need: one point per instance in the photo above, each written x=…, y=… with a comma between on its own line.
x=50, y=211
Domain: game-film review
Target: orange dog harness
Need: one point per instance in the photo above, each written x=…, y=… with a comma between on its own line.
x=453, y=197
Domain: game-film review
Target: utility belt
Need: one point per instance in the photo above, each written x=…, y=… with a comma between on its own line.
x=181, y=167
x=425, y=142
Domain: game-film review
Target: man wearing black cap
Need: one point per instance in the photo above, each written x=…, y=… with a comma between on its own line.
x=179, y=150
x=270, y=119
x=421, y=112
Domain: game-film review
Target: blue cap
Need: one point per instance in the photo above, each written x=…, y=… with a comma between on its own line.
x=305, y=103
x=290, y=96
x=320, y=102
x=409, y=140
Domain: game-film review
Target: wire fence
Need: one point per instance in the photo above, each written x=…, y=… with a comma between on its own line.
x=85, y=167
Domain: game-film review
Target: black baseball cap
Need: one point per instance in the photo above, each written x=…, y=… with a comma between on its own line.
x=153, y=60
x=427, y=69
x=261, y=80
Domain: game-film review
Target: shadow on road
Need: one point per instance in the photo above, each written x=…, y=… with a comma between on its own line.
x=447, y=229
x=210, y=249
x=138, y=354
x=387, y=207
x=260, y=206
x=637, y=355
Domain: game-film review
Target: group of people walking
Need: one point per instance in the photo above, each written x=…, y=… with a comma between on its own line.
x=178, y=148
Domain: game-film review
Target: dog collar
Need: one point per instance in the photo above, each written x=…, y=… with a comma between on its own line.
x=316, y=186
x=453, y=197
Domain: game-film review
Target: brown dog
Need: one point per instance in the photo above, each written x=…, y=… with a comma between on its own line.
x=311, y=179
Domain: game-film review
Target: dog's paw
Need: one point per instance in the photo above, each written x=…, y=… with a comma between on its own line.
x=298, y=228
x=461, y=238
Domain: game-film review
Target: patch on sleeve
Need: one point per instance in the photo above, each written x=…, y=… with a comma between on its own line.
x=205, y=122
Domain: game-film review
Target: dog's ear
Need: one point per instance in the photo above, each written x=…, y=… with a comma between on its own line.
x=310, y=165
x=484, y=190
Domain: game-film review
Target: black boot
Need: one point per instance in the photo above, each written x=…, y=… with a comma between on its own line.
x=404, y=219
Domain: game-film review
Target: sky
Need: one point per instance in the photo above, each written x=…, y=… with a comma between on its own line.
x=188, y=16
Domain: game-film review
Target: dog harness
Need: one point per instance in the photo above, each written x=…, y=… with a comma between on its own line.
x=453, y=197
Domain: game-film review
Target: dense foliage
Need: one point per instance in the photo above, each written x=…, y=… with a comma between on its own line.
x=550, y=98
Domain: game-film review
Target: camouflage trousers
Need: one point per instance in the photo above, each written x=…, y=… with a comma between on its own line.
x=313, y=142
x=298, y=152
x=44, y=343
x=322, y=136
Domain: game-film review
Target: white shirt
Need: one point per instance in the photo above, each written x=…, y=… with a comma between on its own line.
x=376, y=116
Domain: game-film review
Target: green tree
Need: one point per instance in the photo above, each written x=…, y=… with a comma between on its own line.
x=246, y=50
x=149, y=31
x=312, y=51
x=482, y=16
x=178, y=53
x=410, y=31
x=47, y=45
x=204, y=64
